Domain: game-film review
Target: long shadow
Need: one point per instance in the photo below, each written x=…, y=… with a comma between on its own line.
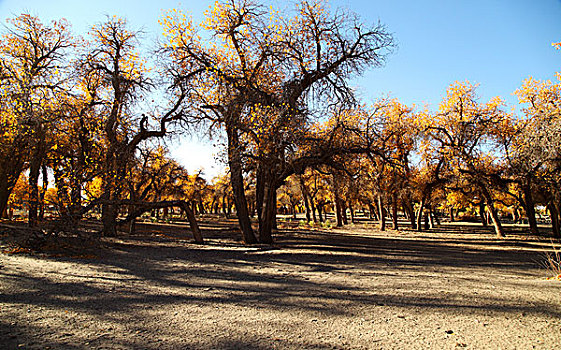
x=145, y=271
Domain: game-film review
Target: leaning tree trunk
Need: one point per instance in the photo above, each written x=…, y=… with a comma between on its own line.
x=494, y=214
x=236, y=178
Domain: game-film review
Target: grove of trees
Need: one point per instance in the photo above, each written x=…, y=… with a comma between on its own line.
x=90, y=117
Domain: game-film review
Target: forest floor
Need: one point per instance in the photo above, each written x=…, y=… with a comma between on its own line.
x=354, y=288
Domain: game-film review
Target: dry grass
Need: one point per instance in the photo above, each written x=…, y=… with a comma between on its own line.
x=553, y=262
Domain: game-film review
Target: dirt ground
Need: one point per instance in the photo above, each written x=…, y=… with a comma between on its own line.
x=354, y=288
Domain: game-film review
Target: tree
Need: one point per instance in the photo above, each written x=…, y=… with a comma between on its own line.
x=261, y=71
x=536, y=154
x=32, y=71
x=465, y=131
x=112, y=60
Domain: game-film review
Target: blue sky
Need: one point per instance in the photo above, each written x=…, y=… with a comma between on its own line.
x=494, y=43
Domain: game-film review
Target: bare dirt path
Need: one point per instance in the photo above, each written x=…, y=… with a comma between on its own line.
x=340, y=289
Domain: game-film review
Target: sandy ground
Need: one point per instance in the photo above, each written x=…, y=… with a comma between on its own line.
x=357, y=288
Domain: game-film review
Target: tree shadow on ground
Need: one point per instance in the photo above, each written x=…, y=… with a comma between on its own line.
x=141, y=272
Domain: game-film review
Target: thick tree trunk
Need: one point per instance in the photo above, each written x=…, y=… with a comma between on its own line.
x=236, y=178
x=109, y=214
x=451, y=214
x=268, y=213
x=352, y=211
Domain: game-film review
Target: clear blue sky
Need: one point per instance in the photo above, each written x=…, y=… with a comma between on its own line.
x=495, y=43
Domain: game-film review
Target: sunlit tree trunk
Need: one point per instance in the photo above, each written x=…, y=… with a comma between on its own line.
x=381, y=213
x=494, y=213
x=420, y=214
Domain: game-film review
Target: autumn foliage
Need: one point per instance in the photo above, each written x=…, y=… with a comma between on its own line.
x=90, y=116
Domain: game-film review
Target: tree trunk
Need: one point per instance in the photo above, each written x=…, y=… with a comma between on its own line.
x=267, y=213
x=412, y=219
x=482, y=214
x=344, y=212
x=451, y=214
x=10, y=170
x=236, y=178
x=197, y=236
x=529, y=205
x=352, y=211
x=420, y=214
x=314, y=207
x=109, y=214
x=43, y=192
x=338, y=201
x=259, y=193
x=494, y=214
x=554, y=215
x=34, y=170
x=431, y=217
x=306, y=197
x=381, y=213
x=319, y=209
x=394, y=212
x=373, y=211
